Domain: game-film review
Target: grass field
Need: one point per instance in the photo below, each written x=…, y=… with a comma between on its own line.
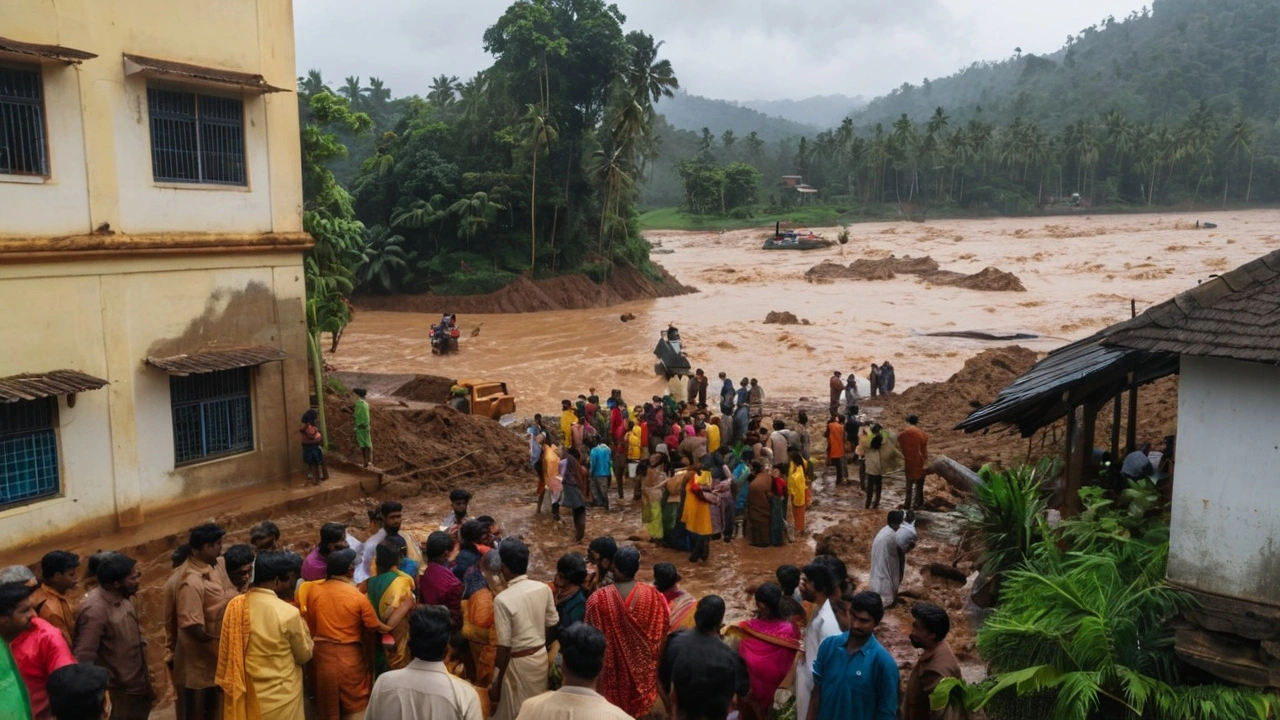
x=674, y=219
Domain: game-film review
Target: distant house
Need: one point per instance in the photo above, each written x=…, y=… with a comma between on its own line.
x=151, y=246
x=1224, y=544
x=792, y=180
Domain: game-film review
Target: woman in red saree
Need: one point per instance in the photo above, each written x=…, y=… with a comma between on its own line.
x=768, y=643
x=634, y=619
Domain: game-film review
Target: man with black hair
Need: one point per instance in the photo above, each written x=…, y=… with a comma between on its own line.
x=360, y=415
x=202, y=594
x=698, y=644
x=915, y=457
x=854, y=675
x=108, y=635
x=929, y=628
x=178, y=559
x=704, y=689
x=582, y=650
x=79, y=692
x=38, y=648
x=392, y=515
x=635, y=619
x=600, y=553
x=333, y=536
x=60, y=572
x=888, y=557
x=264, y=536
x=424, y=690
x=522, y=615
x=817, y=586
x=339, y=617
x=264, y=645
x=459, y=502
x=437, y=585
x=238, y=560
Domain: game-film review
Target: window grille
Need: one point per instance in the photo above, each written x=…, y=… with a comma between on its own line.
x=212, y=415
x=196, y=138
x=22, y=138
x=28, y=451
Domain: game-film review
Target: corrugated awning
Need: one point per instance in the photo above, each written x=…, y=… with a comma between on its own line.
x=215, y=360
x=48, y=52
x=134, y=64
x=33, y=386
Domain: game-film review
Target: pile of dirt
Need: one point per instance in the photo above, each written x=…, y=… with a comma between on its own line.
x=871, y=269
x=566, y=292
x=989, y=279
x=776, y=317
x=435, y=448
x=425, y=388
x=942, y=405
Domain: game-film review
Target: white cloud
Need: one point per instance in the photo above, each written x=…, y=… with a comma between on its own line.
x=733, y=49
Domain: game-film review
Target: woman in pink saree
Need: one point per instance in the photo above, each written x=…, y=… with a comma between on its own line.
x=768, y=643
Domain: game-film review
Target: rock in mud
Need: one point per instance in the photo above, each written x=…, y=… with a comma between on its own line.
x=783, y=318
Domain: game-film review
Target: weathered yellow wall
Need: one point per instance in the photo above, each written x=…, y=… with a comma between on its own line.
x=105, y=315
x=116, y=186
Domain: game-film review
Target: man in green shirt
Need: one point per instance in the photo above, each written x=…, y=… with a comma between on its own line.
x=362, y=426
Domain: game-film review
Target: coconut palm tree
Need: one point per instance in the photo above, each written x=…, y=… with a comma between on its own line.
x=1239, y=136
x=444, y=90
x=475, y=214
x=383, y=255
x=352, y=91
x=311, y=84
x=540, y=129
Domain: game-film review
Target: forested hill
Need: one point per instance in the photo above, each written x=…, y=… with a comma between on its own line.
x=822, y=110
x=694, y=112
x=1151, y=67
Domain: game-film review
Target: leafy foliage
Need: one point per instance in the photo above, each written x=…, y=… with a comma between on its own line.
x=1009, y=514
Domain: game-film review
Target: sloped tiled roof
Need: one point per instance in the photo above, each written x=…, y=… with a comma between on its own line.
x=33, y=386
x=215, y=360
x=1235, y=315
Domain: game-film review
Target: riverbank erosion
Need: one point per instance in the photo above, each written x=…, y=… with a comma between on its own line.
x=523, y=295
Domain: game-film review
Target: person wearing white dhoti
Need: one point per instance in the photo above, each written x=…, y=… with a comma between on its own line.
x=888, y=556
x=817, y=586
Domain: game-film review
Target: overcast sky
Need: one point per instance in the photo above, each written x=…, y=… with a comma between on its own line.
x=731, y=49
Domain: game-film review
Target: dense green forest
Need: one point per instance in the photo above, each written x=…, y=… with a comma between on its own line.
x=1175, y=106
x=530, y=167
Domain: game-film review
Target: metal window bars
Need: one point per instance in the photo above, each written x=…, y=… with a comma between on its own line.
x=22, y=136
x=212, y=415
x=196, y=138
x=28, y=451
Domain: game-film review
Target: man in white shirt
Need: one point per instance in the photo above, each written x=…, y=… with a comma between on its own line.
x=424, y=690
x=522, y=615
x=392, y=514
x=817, y=585
x=582, y=652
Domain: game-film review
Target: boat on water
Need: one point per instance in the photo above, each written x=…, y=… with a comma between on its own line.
x=793, y=240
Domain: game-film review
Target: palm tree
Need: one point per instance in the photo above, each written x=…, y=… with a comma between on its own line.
x=541, y=131
x=379, y=94
x=311, y=84
x=352, y=91
x=646, y=78
x=383, y=254
x=444, y=90
x=1239, y=137
x=475, y=214
x=422, y=214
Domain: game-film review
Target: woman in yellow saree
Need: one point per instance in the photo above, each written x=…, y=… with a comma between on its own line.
x=391, y=593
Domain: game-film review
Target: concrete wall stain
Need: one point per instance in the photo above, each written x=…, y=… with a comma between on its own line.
x=231, y=318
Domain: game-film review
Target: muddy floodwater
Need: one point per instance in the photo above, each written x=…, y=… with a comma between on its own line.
x=1080, y=273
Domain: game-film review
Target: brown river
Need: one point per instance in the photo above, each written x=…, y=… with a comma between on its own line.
x=1080, y=273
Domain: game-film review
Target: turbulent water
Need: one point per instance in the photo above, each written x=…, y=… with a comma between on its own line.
x=1080, y=273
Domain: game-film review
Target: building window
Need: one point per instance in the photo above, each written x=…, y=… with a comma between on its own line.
x=28, y=451
x=212, y=415
x=22, y=148
x=196, y=138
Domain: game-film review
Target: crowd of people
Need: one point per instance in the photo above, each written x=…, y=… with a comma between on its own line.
x=452, y=626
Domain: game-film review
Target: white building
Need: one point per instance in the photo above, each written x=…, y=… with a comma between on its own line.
x=1224, y=543
x=150, y=259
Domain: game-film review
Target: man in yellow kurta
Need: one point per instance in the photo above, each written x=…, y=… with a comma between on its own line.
x=264, y=645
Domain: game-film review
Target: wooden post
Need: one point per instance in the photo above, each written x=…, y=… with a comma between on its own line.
x=1074, y=467
x=1115, y=428
x=1131, y=433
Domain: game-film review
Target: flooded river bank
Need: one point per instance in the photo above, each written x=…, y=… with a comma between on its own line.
x=1080, y=274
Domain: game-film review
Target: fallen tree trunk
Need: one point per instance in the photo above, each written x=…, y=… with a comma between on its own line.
x=957, y=476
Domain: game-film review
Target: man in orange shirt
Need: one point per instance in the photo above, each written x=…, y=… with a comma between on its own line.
x=338, y=616
x=835, y=449
x=915, y=456
x=61, y=573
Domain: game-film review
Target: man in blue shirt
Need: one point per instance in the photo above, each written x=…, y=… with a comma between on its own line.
x=600, y=462
x=854, y=676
